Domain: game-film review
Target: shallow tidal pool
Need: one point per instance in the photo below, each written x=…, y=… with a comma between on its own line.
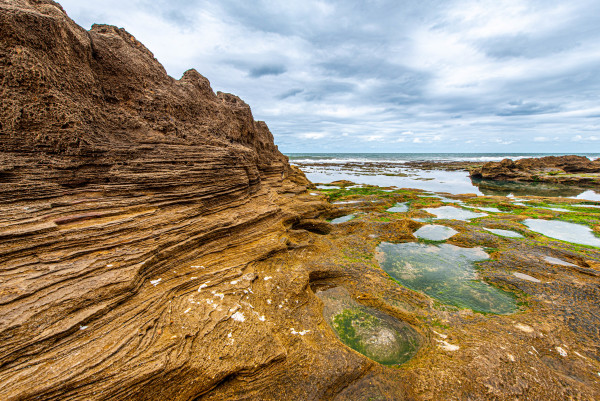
x=444, y=272
x=374, y=334
x=453, y=213
x=570, y=232
x=504, y=233
x=434, y=232
x=342, y=219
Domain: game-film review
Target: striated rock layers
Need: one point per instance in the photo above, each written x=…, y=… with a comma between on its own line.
x=558, y=169
x=149, y=231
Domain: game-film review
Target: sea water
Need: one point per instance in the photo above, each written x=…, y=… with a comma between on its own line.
x=386, y=169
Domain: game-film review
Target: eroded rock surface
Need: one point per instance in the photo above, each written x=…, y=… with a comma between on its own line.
x=155, y=245
x=139, y=219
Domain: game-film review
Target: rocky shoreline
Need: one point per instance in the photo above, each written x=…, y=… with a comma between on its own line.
x=156, y=245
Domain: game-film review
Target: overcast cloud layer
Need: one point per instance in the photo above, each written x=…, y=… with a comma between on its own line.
x=387, y=76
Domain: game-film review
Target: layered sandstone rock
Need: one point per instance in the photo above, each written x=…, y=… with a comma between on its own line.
x=559, y=169
x=144, y=226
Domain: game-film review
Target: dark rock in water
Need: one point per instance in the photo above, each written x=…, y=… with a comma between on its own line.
x=557, y=169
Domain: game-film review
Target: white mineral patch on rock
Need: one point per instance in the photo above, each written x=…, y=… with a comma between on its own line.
x=300, y=333
x=561, y=351
x=524, y=327
x=238, y=317
x=440, y=334
x=446, y=346
x=155, y=282
x=268, y=278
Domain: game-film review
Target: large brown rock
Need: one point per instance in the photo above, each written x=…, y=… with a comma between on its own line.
x=559, y=169
x=144, y=235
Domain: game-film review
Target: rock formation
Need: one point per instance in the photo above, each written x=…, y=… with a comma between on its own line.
x=138, y=215
x=155, y=245
x=557, y=169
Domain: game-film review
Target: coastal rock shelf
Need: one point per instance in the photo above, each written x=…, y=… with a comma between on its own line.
x=156, y=245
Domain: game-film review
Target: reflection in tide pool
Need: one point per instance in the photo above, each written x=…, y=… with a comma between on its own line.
x=342, y=219
x=434, y=232
x=449, y=212
x=445, y=272
x=372, y=333
x=584, y=205
x=399, y=208
x=563, y=231
x=486, y=209
x=504, y=233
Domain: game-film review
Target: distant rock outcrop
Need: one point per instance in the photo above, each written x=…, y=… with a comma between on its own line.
x=558, y=169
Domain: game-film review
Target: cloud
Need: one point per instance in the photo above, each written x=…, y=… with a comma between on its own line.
x=374, y=138
x=313, y=135
x=290, y=93
x=263, y=70
x=418, y=76
x=520, y=108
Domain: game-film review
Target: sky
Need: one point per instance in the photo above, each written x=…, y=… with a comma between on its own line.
x=387, y=76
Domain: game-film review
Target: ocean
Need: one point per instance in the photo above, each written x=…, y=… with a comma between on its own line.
x=406, y=157
x=386, y=170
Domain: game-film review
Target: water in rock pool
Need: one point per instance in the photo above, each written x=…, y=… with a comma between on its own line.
x=444, y=272
x=373, y=333
x=504, y=233
x=564, y=231
x=450, y=212
x=399, y=208
x=434, y=232
x=342, y=219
